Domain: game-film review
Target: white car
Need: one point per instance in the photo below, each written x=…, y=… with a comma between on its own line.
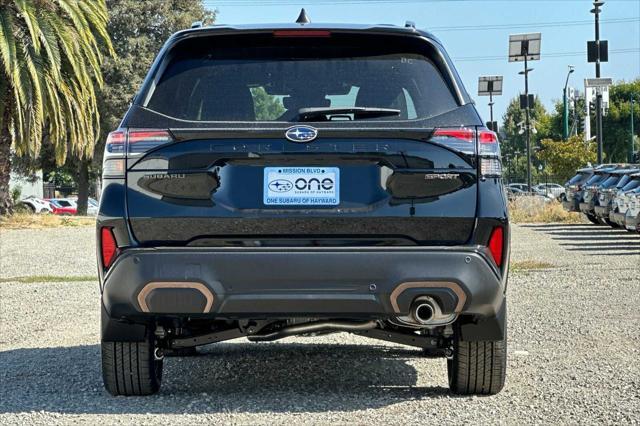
x=37, y=205
x=555, y=190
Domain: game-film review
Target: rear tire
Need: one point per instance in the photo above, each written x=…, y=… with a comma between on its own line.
x=477, y=368
x=593, y=219
x=130, y=368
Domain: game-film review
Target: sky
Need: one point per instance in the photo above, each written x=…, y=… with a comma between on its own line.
x=476, y=33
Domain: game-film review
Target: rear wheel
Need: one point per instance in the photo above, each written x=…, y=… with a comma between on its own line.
x=477, y=368
x=130, y=368
x=593, y=219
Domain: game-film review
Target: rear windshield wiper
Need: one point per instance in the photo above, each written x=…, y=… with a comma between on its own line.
x=321, y=114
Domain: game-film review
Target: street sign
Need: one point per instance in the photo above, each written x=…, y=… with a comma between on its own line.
x=597, y=82
x=523, y=101
x=592, y=51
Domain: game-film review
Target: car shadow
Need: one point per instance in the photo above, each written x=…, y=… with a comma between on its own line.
x=591, y=238
x=225, y=377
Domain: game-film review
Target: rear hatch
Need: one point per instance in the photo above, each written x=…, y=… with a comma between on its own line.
x=293, y=138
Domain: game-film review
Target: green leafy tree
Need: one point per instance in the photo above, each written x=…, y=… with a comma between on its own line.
x=266, y=106
x=564, y=157
x=138, y=29
x=513, y=143
x=616, y=136
x=50, y=57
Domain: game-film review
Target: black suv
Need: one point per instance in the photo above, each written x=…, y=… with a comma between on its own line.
x=290, y=180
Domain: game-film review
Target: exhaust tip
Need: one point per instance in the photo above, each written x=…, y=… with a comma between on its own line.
x=423, y=313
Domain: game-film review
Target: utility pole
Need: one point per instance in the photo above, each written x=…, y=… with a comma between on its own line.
x=632, y=134
x=527, y=121
x=490, y=85
x=598, y=53
x=526, y=47
x=565, y=107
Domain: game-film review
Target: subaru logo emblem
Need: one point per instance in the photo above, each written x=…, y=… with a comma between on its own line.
x=301, y=133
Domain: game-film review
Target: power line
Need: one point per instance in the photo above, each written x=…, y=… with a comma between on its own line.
x=546, y=55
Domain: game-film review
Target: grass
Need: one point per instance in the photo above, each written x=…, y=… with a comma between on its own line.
x=529, y=265
x=49, y=279
x=531, y=210
x=39, y=221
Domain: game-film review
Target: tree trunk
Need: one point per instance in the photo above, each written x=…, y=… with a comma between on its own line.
x=83, y=186
x=6, y=202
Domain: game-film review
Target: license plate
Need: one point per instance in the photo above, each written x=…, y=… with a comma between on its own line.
x=301, y=186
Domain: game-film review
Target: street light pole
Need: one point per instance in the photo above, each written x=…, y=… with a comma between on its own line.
x=491, y=109
x=596, y=12
x=565, y=107
x=632, y=133
x=527, y=122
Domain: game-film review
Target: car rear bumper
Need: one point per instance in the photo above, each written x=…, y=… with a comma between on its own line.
x=291, y=282
x=587, y=208
x=602, y=211
x=617, y=218
x=571, y=205
x=632, y=223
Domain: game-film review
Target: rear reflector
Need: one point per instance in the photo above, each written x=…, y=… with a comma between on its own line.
x=301, y=33
x=108, y=246
x=496, y=243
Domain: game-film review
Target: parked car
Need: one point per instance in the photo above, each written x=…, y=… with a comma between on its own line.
x=373, y=204
x=632, y=217
x=606, y=194
x=519, y=186
x=621, y=201
x=63, y=206
x=573, y=189
x=37, y=205
x=556, y=191
x=601, y=179
x=92, y=207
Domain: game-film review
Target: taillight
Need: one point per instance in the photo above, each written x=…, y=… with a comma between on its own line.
x=481, y=141
x=114, y=154
x=144, y=140
x=132, y=143
x=108, y=246
x=496, y=244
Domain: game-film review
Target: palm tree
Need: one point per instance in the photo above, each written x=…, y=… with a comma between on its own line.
x=50, y=57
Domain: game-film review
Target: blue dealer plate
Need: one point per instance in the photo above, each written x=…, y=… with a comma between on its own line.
x=301, y=186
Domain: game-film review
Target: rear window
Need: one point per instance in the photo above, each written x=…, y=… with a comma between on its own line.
x=264, y=78
x=580, y=177
x=610, y=181
x=634, y=183
x=596, y=178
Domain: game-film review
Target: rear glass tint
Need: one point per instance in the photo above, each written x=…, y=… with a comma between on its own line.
x=580, y=177
x=262, y=78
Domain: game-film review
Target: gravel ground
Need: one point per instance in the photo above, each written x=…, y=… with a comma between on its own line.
x=574, y=328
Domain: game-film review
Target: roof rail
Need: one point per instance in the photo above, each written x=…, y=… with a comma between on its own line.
x=196, y=24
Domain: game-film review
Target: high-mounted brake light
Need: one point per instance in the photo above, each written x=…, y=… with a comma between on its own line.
x=301, y=33
x=496, y=244
x=108, y=246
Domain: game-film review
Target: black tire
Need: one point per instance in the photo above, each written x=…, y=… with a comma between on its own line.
x=611, y=224
x=478, y=368
x=593, y=219
x=130, y=368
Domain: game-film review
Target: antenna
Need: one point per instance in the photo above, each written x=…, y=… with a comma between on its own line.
x=303, y=18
